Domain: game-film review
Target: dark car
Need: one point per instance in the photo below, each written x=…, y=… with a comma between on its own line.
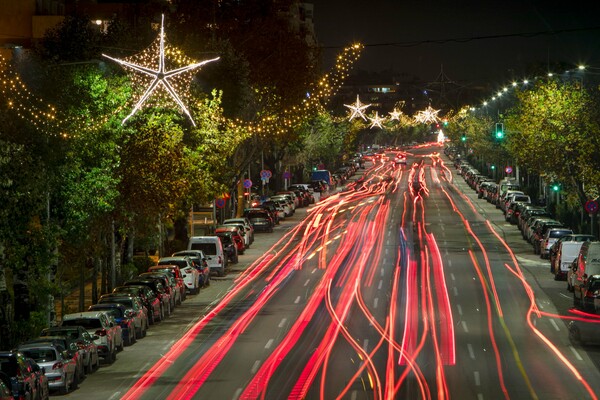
x=134, y=305
x=159, y=291
x=169, y=284
x=82, y=339
x=260, y=219
x=18, y=375
x=229, y=248
x=149, y=299
x=122, y=316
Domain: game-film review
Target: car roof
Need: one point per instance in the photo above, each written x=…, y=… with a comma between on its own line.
x=83, y=314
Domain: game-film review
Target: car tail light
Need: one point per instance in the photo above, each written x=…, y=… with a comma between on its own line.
x=101, y=332
x=58, y=365
x=589, y=294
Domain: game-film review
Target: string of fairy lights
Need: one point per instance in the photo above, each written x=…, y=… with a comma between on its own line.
x=172, y=59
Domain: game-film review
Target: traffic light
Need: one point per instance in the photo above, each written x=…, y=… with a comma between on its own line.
x=499, y=130
x=463, y=138
x=445, y=122
x=555, y=187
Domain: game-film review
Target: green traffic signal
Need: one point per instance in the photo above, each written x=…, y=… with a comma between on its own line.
x=463, y=137
x=499, y=130
x=556, y=187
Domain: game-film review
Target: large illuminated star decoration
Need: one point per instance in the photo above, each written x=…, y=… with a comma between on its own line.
x=376, y=121
x=429, y=115
x=161, y=78
x=357, y=109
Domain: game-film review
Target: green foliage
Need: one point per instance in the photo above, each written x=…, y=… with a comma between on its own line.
x=322, y=141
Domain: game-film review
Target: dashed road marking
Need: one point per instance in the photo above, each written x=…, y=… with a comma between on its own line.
x=269, y=344
x=459, y=308
x=255, y=366
x=577, y=355
x=297, y=300
x=307, y=282
x=471, y=352
x=553, y=323
x=476, y=376
x=380, y=285
x=464, y=325
x=375, y=302
x=282, y=323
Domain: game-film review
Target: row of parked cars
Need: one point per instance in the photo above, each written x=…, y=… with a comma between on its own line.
x=574, y=257
x=60, y=358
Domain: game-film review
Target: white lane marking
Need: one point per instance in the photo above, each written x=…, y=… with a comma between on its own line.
x=442, y=225
x=144, y=368
x=452, y=276
x=553, y=323
x=455, y=290
x=540, y=305
x=384, y=260
x=115, y=395
x=237, y=394
x=459, y=308
x=464, y=325
x=313, y=271
x=297, y=300
x=307, y=282
x=382, y=272
x=365, y=344
x=168, y=346
x=282, y=323
x=269, y=344
x=255, y=366
x=479, y=396
x=354, y=395
x=375, y=302
x=577, y=355
x=449, y=261
x=476, y=376
x=564, y=295
x=380, y=285
x=471, y=352
x=386, y=252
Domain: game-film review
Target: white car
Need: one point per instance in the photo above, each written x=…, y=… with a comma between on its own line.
x=191, y=276
x=100, y=324
x=247, y=226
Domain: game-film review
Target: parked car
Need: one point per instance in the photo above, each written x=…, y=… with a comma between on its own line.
x=242, y=231
x=191, y=280
x=149, y=299
x=134, y=305
x=584, y=333
x=574, y=237
x=565, y=255
x=60, y=368
x=73, y=351
x=98, y=323
x=159, y=292
x=200, y=263
x=587, y=263
x=168, y=283
x=212, y=248
x=122, y=316
x=247, y=226
x=18, y=371
x=84, y=341
x=260, y=219
x=551, y=236
x=235, y=236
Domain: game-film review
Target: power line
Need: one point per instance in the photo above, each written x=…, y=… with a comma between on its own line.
x=473, y=38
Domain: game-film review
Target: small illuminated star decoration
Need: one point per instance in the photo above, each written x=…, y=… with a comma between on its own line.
x=357, y=109
x=429, y=115
x=395, y=115
x=376, y=121
x=160, y=76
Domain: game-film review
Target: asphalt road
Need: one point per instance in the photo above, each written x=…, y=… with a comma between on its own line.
x=404, y=285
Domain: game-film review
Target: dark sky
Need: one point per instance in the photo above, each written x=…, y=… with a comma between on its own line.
x=340, y=22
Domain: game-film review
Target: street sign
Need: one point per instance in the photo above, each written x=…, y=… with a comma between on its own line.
x=287, y=175
x=508, y=170
x=220, y=203
x=265, y=173
x=247, y=183
x=591, y=206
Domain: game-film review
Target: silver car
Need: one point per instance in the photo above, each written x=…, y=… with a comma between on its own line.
x=60, y=367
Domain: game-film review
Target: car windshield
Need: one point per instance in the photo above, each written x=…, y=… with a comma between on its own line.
x=41, y=355
x=87, y=323
x=208, y=248
x=69, y=333
x=8, y=366
x=557, y=234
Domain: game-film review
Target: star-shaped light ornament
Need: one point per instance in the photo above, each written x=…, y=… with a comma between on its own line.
x=153, y=72
x=395, y=115
x=376, y=121
x=429, y=115
x=357, y=109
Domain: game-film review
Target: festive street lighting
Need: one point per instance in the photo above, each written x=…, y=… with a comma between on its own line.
x=357, y=109
x=160, y=76
x=395, y=115
x=428, y=115
x=376, y=121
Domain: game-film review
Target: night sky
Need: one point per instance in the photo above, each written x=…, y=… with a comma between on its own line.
x=410, y=24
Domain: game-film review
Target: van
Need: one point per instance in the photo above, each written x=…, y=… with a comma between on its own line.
x=213, y=250
x=322, y=175
x=586, y=264
x=566, y=254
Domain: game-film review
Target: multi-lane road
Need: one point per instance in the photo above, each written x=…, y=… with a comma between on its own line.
x=402, y=285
